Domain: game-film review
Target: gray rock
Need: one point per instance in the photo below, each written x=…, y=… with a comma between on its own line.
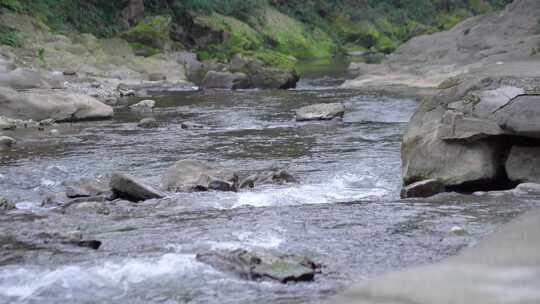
x=128, y=187
x=148, y=123
x=425, y=188
x=6, y=205
x=24, y=79
x=58, y=105
x=86, y=187
x=6, y=124
x=192, y=175
x=323, y=111
x=523, y=164
x=278, y=177
x=191, y=125
x=7, y=142
x=256, y=267
x=263, y=77
x=143, y=106
x=455, y=126
x=157, y=77
x=493, y=100
x=225, y=80
x=521, y=116
x=479, y=274
x=54, y=199
x=527, y=189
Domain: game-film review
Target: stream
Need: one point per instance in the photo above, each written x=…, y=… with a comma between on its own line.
x=344, y=212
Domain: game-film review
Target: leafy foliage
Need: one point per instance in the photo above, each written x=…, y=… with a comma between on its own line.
x=10, y=36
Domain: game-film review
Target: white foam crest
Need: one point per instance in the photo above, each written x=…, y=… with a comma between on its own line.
x=340, y=188
x=23, y=283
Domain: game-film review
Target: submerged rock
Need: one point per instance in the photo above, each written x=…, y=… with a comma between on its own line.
x=86, y=187
x=277, y=177
x=148, y=123
x=192, y=175
x=324, y=111
x=6, y=205
x=51, y=104
x=191, y=125
x=6, y=142
x=225, y=80
x=6, y=124
x=256, y=267
x=425, y=188
x=128, y=187
x=143, y=106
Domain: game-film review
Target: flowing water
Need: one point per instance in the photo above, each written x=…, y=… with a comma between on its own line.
x=344, y=212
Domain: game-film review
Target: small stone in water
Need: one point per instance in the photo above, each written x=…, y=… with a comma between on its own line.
x=458, y=230
x=54, y=132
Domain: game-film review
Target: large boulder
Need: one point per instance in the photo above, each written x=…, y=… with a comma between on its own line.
x=479, y=274
x=460, y=136
x=523, y=164
x=128, y=187
x=51, y=104
x=225, y=80
x=323, y=111
x=192, y=175
x=263, y=77
x=23, y=79
x=255, y=267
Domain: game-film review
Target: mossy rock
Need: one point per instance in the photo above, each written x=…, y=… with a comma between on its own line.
x=152, y=31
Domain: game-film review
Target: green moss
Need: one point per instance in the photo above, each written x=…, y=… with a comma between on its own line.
x=143, y=50
x=239, y=36
x=274, y=59
x=152, y=31
x=447, y=21
x=385, y=45
x=479, y=6
x=289, y=36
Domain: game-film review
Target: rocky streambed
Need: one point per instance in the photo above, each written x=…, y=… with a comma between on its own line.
x=337, y=220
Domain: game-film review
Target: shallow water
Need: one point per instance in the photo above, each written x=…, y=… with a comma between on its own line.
x=344, y=212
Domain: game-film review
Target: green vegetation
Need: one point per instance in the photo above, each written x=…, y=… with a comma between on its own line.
x=275, y=31
x=9, y=36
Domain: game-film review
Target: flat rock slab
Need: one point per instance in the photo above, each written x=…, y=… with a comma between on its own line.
x=505, y=268
x=323, y=111
x=58, y=105
x=128, y=187
x=521, y=116
x=256, y=267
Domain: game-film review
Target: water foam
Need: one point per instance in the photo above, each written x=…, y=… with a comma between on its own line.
x=21, y=284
